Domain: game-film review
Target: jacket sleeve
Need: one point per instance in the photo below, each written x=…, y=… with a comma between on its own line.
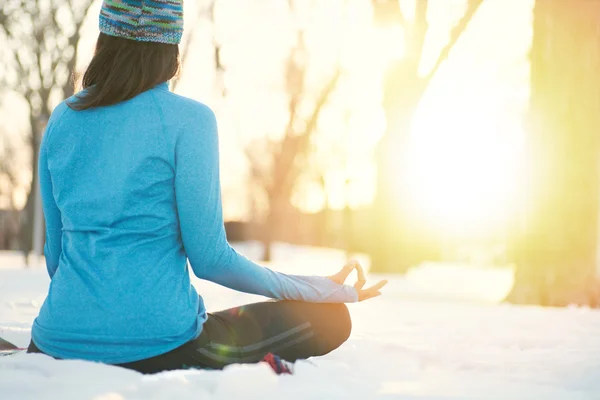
x=52, y=216
x=198, y=198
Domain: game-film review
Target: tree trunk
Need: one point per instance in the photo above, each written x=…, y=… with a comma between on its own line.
x=556, y=250
x=400, y=243
x=267, y=250
x=401, y=239
x=26, y=231
x=267, y=235
x=270, y=228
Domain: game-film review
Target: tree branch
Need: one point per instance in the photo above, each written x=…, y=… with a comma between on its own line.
x=455, y=34
x=256, y=159
x=295, y=145
x=40, y=37
x=69, y=87
x=388, y=12
x=417, y=34
x=22, y=75
x=186, y=45
x=321, y=101
x=86, y=10
x=3, y=18
x=295, y=85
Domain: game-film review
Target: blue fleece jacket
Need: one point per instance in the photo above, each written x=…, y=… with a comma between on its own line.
x=130, y=193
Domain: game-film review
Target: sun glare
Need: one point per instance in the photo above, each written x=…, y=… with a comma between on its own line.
x=463, y=170
x=466, y=154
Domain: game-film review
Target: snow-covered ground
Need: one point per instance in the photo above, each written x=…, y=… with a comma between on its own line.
x=436, y=334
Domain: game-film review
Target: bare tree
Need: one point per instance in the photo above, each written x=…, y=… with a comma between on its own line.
x=9, y=182
x=399, y=246
x=37, y=58
x=276, y=164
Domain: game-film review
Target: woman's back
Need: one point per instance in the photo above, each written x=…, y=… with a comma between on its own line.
x=122, y=271
x=130, y=187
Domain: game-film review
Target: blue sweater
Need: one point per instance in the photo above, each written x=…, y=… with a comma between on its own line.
x=130, y=193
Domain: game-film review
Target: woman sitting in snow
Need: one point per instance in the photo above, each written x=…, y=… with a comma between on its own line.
x=129, y=176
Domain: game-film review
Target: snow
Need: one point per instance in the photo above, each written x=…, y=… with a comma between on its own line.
x=438, y=333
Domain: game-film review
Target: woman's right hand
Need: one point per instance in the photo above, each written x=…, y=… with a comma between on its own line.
x=363, y=294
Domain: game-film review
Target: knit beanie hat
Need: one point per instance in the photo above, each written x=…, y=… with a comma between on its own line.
x=143, y=20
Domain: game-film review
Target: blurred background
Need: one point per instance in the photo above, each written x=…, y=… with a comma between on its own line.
x=423, y=136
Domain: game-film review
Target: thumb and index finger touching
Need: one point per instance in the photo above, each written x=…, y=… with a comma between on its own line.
x=363, y=294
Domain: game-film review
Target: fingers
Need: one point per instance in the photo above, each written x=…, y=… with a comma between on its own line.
x=346, y=270
x=341, y=276
x=369, y=296
x=371, y=292
x=377, y=286
x=360, y=274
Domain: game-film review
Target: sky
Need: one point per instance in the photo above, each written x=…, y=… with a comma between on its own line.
x=467, y=140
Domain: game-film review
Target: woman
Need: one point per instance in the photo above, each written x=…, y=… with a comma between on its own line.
x=129, y=176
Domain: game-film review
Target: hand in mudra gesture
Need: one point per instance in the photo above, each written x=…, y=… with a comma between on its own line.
x=363, y=294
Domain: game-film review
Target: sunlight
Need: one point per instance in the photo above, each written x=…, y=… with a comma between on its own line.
x=465, y=158
x=463, y=169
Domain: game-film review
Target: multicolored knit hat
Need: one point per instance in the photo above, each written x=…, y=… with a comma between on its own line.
x=143, y=20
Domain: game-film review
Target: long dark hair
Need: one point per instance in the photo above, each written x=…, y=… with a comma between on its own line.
x=122, y=68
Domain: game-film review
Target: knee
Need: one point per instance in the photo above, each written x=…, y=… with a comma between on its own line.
x=340, y=323
x=346, y=322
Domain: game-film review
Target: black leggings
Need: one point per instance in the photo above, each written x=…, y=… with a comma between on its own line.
x=290, y=329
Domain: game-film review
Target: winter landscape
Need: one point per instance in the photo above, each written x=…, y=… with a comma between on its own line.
x=451, y=146
x=414, y=342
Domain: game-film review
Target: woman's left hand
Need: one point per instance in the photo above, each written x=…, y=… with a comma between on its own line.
x=363, y=294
